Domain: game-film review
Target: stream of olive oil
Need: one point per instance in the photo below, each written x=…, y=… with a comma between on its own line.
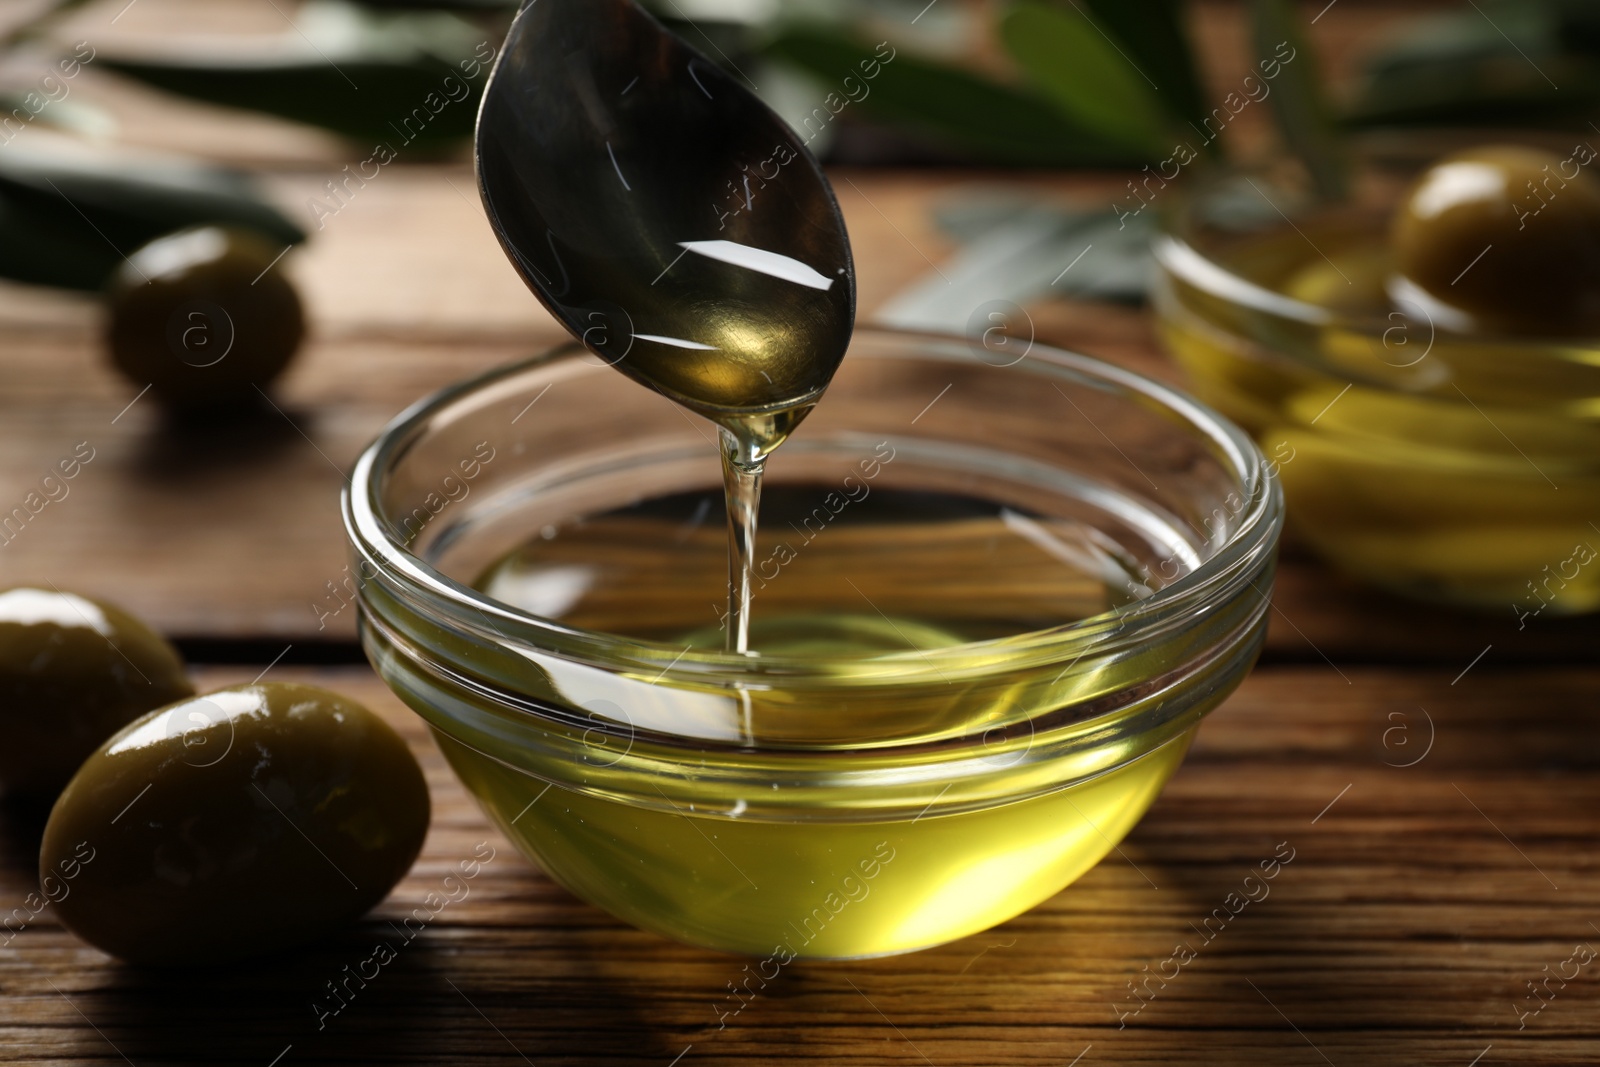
x=746, y=444
x=747, y=440
x=757, y=383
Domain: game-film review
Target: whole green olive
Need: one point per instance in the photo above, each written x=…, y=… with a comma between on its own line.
x=204, y=316
x=73, y=671
x=236, y=824
x=1509, y=236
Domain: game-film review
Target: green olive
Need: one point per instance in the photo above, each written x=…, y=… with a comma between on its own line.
x=1508, y=236
x=73, y=671
x=203, y=316
x=235, y=824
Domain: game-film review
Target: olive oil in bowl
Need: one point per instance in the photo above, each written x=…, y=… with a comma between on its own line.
x=837, y=581
x=1445, y=464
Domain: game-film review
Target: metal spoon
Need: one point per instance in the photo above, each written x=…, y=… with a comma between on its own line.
x=672, y=222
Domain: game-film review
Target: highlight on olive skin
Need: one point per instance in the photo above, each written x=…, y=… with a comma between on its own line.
x=204, y=317
x=240, y=823
x=1507, y=236
x=73, y=671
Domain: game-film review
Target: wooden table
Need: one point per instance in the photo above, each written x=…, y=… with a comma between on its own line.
x=1436, y=775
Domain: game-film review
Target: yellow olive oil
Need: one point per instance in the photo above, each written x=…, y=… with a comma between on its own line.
x=1441, y=464
x=840, y=574
x=828, y=889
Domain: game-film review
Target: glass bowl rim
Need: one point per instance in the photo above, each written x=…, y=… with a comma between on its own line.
x=1259, y=521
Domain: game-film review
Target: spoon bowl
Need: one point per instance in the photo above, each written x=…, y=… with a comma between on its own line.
x=667, y=217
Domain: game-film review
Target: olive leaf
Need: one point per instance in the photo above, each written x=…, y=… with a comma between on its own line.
x=1304, y=117
x=373, y=77
x=1152, y=34
x=996, y=123
x=1017, y=249
x=69, y=223
x=365, y=100
x=1085, y=73
x=442, y=5
x=1500, y=65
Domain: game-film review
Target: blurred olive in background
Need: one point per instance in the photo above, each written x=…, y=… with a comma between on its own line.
x=1508, y=235
x=205, y=317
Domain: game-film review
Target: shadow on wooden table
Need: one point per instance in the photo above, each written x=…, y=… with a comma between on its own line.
x=451, y=995
x=21, y=832
x=247, y=434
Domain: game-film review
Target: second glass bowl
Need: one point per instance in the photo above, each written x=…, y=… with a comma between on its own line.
x=994, y=604
x=1443, y=466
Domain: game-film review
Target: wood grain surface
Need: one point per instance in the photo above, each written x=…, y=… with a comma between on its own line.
x=1418, y=901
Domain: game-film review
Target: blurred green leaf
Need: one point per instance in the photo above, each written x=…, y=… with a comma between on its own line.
x=366, y=100
x=994, y=122
x=1153, y=35
x=373, y=77
x=1489, y=91
x=70, y=223
x=442, y=5
x=1500, y=65
x=1304, y=117
x=1072, y=61
x=1465, y=35
x=1020, y=250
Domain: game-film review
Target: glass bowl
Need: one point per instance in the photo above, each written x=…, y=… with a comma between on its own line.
x=1012, y=594
x=1445, y=466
